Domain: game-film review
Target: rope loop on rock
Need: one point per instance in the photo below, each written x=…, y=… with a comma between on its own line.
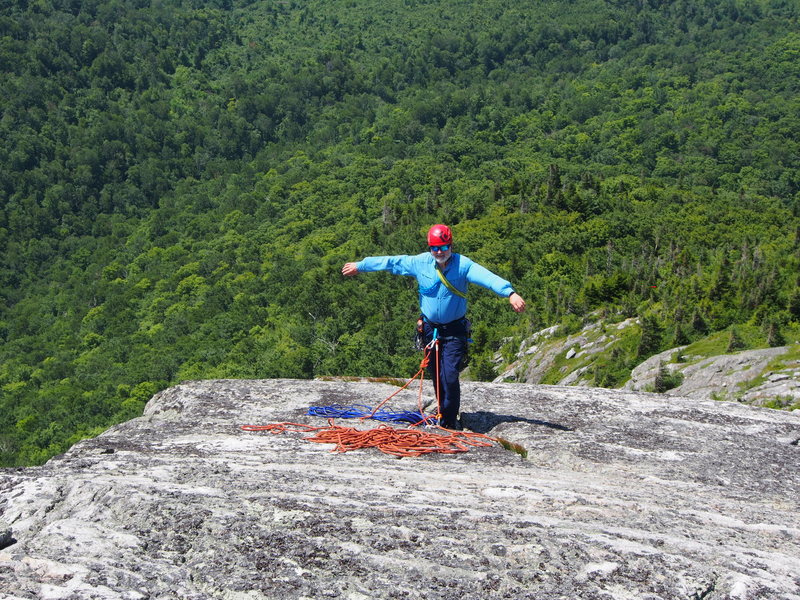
x=424, y=419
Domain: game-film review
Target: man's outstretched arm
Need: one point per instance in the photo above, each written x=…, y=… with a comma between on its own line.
x=397, y=265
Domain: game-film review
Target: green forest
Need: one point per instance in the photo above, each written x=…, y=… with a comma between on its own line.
x=181, y=181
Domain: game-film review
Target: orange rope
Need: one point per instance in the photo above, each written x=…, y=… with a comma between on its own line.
x=281, y=427
x=387, y=439
x=438, y=383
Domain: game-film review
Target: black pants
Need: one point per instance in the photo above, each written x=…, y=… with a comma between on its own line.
x=452, y=346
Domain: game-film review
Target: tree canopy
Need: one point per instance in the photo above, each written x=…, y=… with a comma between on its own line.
x=181, y=182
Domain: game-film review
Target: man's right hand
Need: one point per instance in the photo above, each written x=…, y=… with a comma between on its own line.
x=350, y=269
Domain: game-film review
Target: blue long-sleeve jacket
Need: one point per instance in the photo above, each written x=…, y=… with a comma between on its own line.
x=436, y=302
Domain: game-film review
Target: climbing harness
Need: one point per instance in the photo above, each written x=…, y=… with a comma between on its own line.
x=399, y=442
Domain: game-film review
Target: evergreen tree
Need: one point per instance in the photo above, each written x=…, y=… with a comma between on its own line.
x=699, y=324
x=735, y=341
x=774, y=336
x=482, y=368
x=666, y=379
x=662, y=376
x=679, y=337
x=650, y=341
x=793, y=305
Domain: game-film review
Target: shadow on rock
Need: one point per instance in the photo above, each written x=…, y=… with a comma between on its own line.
x=484, y=421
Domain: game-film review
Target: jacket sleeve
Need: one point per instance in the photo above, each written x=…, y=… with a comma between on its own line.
x=485, y=278
x=397, y=265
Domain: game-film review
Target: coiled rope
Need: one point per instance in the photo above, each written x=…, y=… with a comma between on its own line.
x=387, y=439
x=362, y=411
x=406, y=442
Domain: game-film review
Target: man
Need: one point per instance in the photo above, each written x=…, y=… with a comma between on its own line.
x=443, y=277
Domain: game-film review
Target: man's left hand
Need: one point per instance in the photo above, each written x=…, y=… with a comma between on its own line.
x=517, y=303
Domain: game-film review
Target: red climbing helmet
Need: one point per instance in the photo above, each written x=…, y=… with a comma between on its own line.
x=439, y=235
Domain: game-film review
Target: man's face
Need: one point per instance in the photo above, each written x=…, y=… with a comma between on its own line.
x=441, y=253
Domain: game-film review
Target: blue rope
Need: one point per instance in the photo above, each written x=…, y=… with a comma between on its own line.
x=339, y=411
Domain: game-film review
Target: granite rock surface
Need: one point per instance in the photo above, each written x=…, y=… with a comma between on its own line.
x=619, y=495
x=761, y=377
x=721, y=375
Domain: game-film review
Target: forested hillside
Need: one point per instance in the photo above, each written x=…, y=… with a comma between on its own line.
x=181, y=182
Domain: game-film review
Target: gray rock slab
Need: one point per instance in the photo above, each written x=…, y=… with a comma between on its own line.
x=725, y=376
x=622, y=495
